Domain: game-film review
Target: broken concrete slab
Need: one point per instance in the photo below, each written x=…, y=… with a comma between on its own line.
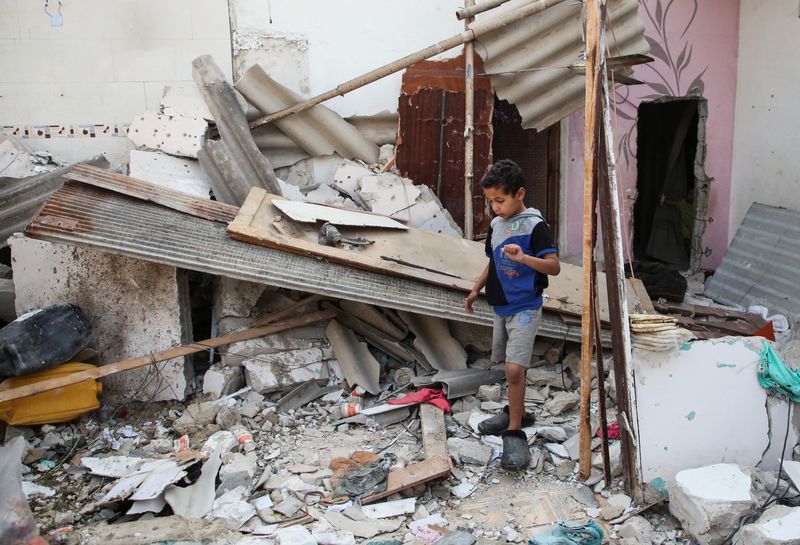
x=433, y=339
x=778, y=525
x=388, y=193
x=348, y=176
x=221, y=380
x=638, y=529
x=186, y=101
x=179, y=136
x=469, y=451
x=390, y=509
x=562, y=402
x=539, y=376
x=710, y=501
x=178, y=173
x=266, y=372
x=168, y=529
x=135, y=307
x=358, y=365
x=17, y=161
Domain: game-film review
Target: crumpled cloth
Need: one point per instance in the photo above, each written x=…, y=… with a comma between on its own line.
x=425, y=395
x=612, y=430
x=776, y=377
x=571, y=533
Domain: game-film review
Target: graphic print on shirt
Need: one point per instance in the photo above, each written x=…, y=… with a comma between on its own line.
x=513, y=287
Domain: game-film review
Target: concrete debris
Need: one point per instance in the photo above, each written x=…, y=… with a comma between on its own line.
x=490, y=392
x=538, y=376
x=469, y=451
x=17, y=161
x=710, y=501
x=362, y=528
x=186, y=101
x=778, y=525
x=390, y=508
x=179, y=136
x=221, y=380
x=232, y=509
x=177, y=173
x=387, y=193
x=637, y=530
x=562, y=402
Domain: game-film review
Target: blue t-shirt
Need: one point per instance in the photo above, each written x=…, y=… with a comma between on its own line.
x=513, y=287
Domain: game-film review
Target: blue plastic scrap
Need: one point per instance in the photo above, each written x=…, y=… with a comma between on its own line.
x=776, y=377
x=571, y=533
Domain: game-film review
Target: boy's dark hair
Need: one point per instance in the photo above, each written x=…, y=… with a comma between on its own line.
x=505, y=174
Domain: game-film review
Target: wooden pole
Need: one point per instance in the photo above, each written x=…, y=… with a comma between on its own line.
x=471, y=10
x=469, y=129
x=617, y=306
x=476, y=30
x=164, y=355
x=589, y=157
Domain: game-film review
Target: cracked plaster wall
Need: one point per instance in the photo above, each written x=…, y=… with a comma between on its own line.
x=703, y=405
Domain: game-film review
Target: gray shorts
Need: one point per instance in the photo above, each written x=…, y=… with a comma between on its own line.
x=513, y=336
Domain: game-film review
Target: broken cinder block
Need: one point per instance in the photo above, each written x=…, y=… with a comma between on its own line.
x=710, y=501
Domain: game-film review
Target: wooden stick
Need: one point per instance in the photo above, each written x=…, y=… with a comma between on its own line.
x=475, y=31
x=164, y=355
x=601, y=390
x=269, y=318
x=470, y=10
x=589, y=153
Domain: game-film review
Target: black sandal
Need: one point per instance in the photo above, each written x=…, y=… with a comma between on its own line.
x=516, y=453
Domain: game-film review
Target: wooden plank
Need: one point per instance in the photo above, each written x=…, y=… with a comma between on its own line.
x=9, y=394
x=434, y=432
x=258, y=223
x=591, y=105
x=434, y=467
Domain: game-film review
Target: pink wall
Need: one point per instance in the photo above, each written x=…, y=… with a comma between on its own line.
x=700, y=39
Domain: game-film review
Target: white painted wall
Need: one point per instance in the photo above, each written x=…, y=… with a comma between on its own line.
x=108, y=62
x=343, y=39
x=766, y=162
x=703, y=405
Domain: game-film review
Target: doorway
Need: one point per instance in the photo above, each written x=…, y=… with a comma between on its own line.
x=666, y=210
x=537, y=154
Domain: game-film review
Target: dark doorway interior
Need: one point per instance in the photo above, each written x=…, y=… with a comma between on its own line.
x=665, y=205
x=537, y=153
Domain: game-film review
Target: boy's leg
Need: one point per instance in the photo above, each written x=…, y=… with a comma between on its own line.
x=515, y=377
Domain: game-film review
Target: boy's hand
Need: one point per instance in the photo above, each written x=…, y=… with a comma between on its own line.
x=469, y=300
x=514, y=252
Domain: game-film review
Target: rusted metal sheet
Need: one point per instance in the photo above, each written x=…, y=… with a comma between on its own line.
x=430, y=147
x=110, y=222
x=177, y=200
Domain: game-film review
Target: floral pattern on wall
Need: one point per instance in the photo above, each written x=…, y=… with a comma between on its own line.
x=670, y=75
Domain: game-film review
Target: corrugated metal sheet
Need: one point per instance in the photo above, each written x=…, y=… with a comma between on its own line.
x=532, y=56
x=118, y=224
x=318, y=130
x=762, y=265
x=177, y=200
x=21, y=197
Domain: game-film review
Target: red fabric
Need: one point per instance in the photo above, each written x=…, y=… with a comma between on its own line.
x=613, y=431
x=426, y=395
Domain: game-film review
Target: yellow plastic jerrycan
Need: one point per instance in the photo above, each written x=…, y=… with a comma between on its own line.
x=51, y=407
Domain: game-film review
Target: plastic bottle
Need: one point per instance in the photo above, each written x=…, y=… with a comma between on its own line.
x=244, y=438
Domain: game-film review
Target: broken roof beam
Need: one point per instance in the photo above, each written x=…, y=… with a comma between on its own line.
x=232, y=125
x=475, y=31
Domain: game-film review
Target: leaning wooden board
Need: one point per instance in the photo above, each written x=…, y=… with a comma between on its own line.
x=462, y=261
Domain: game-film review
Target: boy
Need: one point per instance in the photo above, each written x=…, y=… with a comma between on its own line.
x=521, y=255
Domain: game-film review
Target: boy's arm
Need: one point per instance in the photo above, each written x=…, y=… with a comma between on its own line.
x=476, y=289
x=547, y=264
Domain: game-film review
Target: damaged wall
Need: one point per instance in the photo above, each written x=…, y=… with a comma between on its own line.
x=109, y=61
x=133, y=307
x=703, y=405
x=766, y=162
x=695, y=46
x=344, y=40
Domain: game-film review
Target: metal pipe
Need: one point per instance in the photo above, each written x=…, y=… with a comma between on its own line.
x=469, y=122
x=470, y=10
x=476, y=30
